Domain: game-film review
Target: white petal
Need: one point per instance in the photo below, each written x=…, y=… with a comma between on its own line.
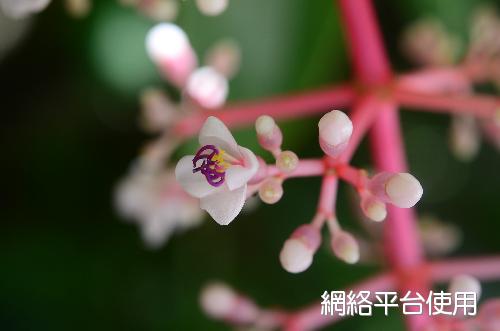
x=214, y=132
x=224, y=205
x=195, y=184
x=237, y=176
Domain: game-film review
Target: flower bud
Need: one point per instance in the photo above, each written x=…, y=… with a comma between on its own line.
x=225, y=57
x=168, y=46
x=465, y=283
x=345, y=247
x=271, y=190
x=335, y=130
x=464, y=137
x=160, y=10
x=268, y=133
x=287, y=161
x=212, y=7
x=298, y=251
x=78, y=8
x=438, y=238
x=373, y=208
x=157, y=110
x=221, y=302
x=401, y=189
x=207, y=87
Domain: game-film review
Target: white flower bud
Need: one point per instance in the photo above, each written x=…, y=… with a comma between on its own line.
x=464, y=137
x=168, y=46
x=271, y=190
x=335, y=130
x=218, y=300
x=465, y=283
x=287, y=161
x=403, y=190
x=212, y=7
x=78, y=8
x=373, y=208
x=345, y=247
x=207, y=87
x=268, y=133
x=296, y=256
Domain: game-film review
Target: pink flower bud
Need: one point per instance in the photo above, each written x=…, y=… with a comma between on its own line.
x=298, y=251
x=168, y=46
x=268, y=133
x=373, y=208
x=225, y=57
x=212, y=7
x=465, y=283
x=157, y=110
x=345, y=247
x=207, y=87
x=401, y=189
x=271, y=190
x=335, y=130
x=287, y=161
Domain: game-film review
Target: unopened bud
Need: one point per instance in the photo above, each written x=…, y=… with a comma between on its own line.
x=345, y=246
x=221, y=302
x=373, y=208
x=335, y=130
x=465, y=283
x=271, y=190
x=157, y=110
x=207, y=87
x=464, y=137
x=217, y=300
x=160, y=10
x=78, y=8
x=168, y=46
x=401, y=189
x=287, y=161
x=268, y=133
x=438, y=238
x=225, y=57
x=298, y=251
x=212, y=7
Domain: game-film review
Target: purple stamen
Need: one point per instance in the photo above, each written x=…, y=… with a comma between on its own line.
x=212, y=171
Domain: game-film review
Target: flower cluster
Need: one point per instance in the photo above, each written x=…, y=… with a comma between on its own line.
x=429, y=44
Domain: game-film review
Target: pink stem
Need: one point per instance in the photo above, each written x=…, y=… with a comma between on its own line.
x=365, y=42
x=484, y=268
x=401, y=245
x=328, y=195
x=435, y=80
x=305, y=168
x=283, y=107
x=482, y=106
x=310, y=318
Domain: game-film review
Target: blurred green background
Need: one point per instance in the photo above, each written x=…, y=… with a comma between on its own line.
x=69, y=109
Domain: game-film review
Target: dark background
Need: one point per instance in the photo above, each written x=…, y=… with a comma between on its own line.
x=68, y=101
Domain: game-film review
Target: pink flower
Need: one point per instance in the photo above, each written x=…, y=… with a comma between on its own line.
x=218, y=173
